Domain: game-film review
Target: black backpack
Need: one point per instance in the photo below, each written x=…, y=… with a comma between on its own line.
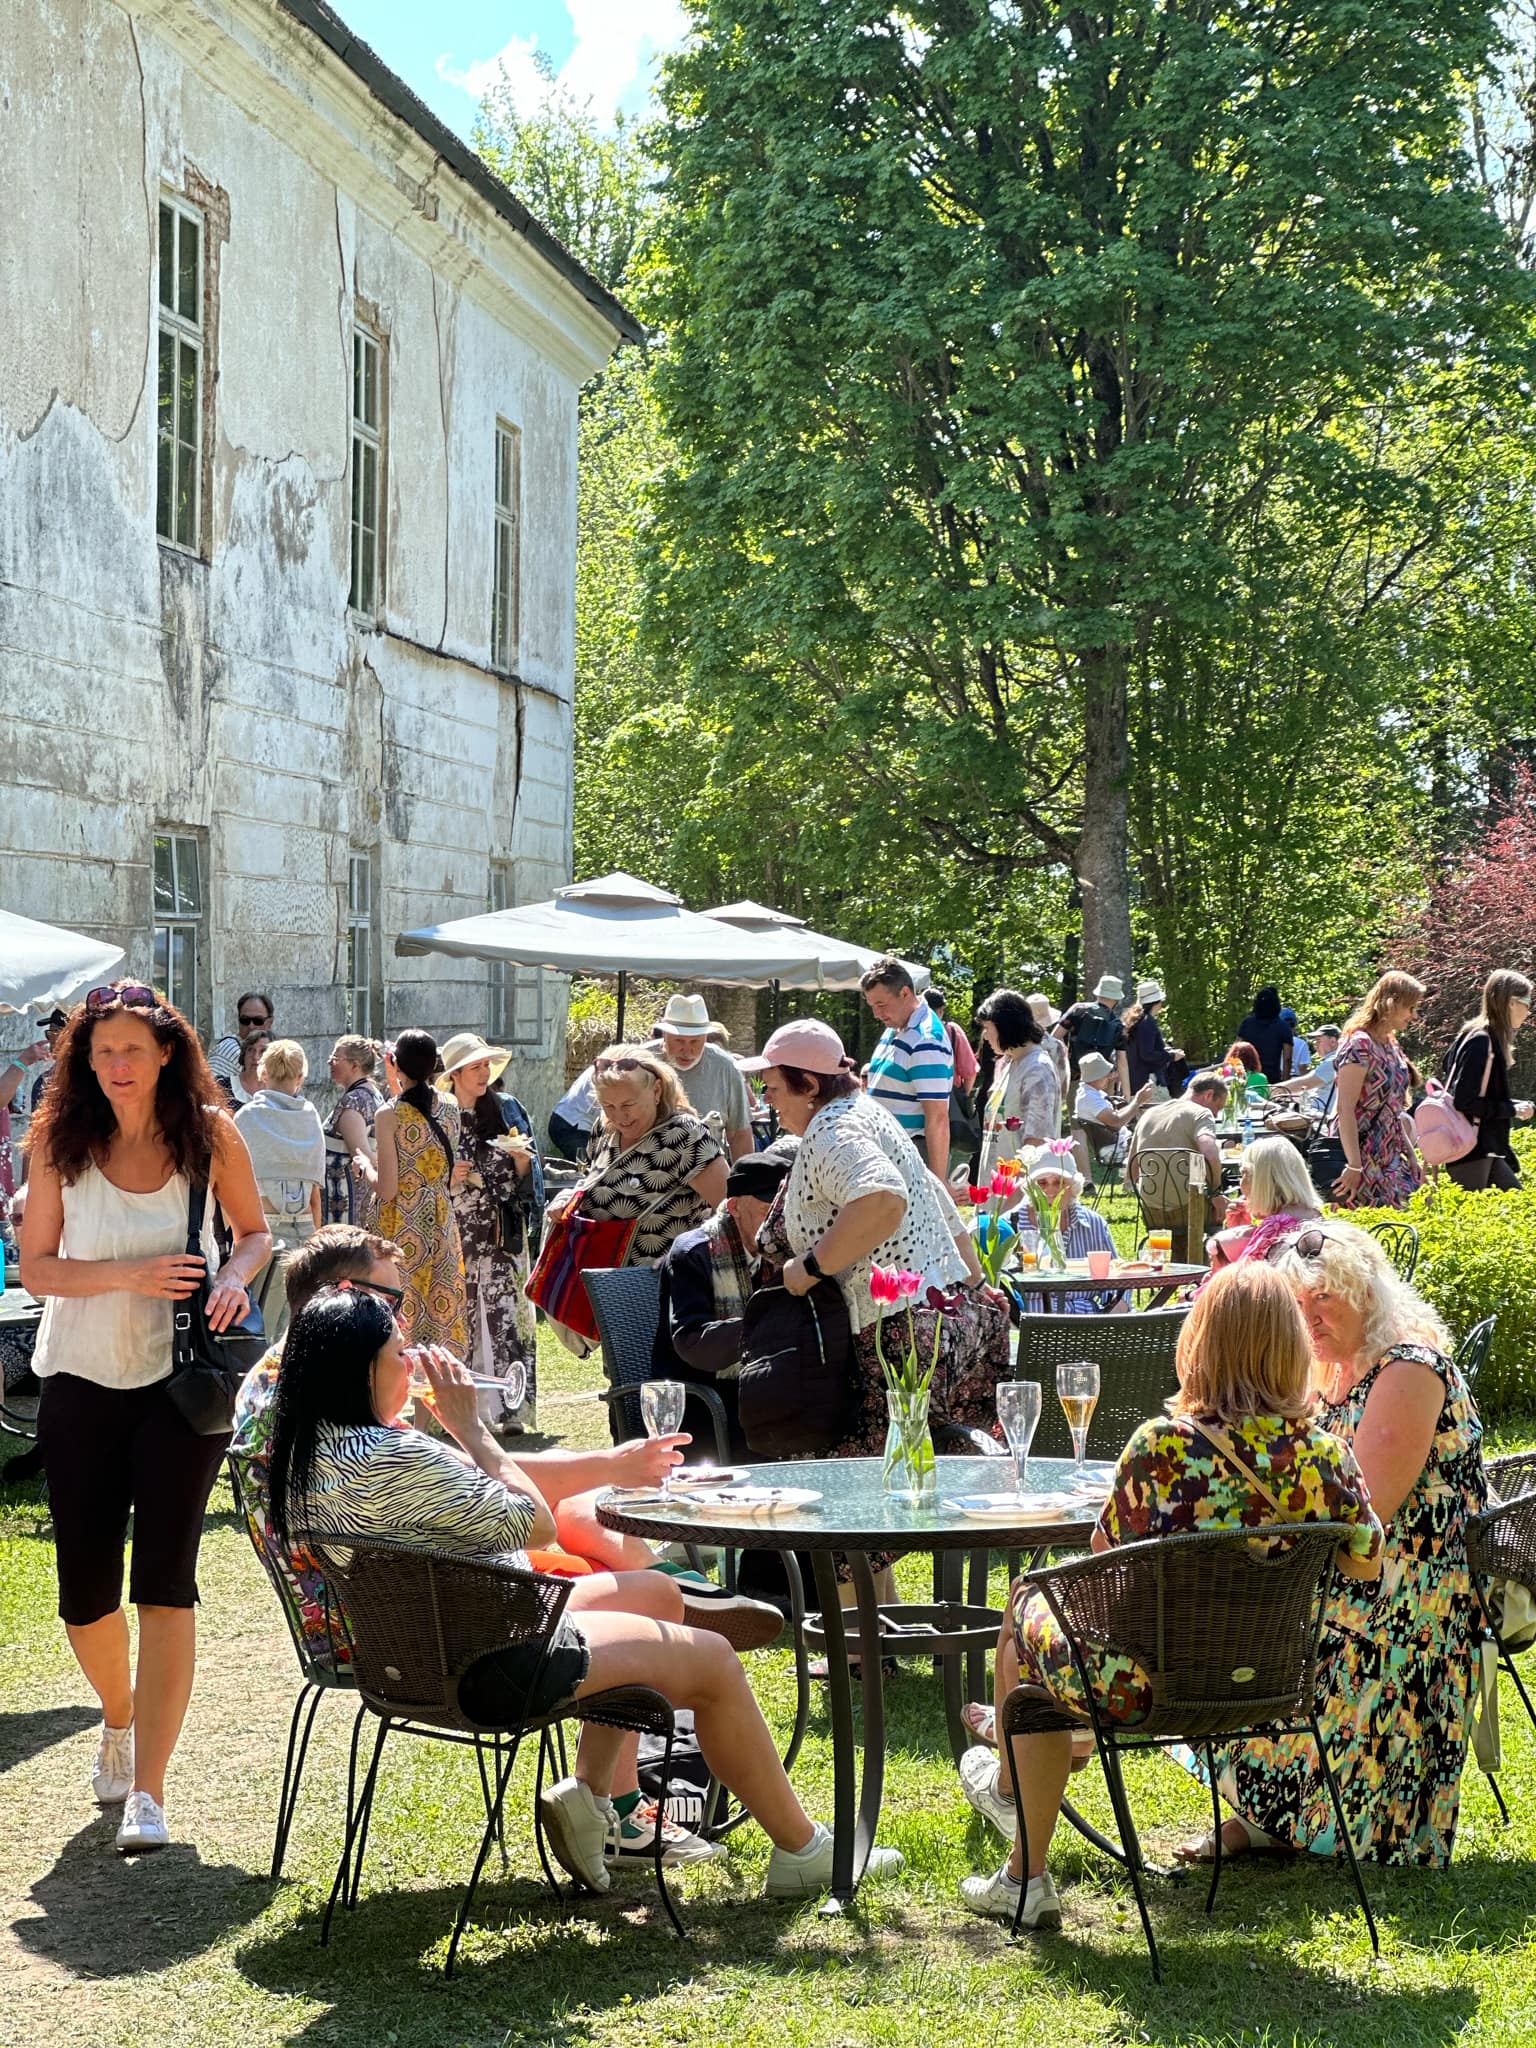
x=792, y=1389
x=1096, y=1031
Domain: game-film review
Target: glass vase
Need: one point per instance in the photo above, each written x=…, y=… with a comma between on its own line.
x=909, y=1475
x=1052, y=1253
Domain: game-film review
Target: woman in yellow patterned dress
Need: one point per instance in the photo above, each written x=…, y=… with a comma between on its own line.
x=417, y=1137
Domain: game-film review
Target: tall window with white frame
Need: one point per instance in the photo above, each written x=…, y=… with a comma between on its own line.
x=517, y=1005
x=178, y=919
x=179, y=449
x=359, y=964
x=365, y=593
x=504, y=560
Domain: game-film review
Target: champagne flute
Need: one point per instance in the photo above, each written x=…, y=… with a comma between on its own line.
x=1018, y=1410
x=661, y=1410
x=1077, y=1388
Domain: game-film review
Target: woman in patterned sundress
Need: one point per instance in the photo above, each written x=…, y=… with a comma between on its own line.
x=1395, y=1674
x=418, y=1140
x=1372, y=1078
x=1245, y=1370
x=349, y=1129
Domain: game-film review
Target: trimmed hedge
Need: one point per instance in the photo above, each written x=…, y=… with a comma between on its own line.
x=1477, y=1257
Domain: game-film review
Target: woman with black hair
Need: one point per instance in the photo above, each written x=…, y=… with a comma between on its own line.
x=1023, y=1104
x=133, y=1121
x=340, y=1466
x=1270, y=1037
x=417, y=1136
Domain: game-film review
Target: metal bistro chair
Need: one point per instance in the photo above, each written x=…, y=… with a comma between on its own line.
x=1473, y=1349
x=327, y=1671
x=1225, y=1623
x=1501, y=1549
x=1400, y=1242
x=626, y=1302
x=417, y=1619
x=1134, y=1354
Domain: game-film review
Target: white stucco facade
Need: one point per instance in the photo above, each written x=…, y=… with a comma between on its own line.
x=223, y=691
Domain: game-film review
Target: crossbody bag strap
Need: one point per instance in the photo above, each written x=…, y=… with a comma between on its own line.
x=1217, y=1437
x=184, y=1313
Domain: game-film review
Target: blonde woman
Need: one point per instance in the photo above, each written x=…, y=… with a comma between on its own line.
x=283, y=1135
x=1280, y=1198
x=1371, y=1084
x=1243, y=1414
x=1477, y=1075
x=1395, y=1670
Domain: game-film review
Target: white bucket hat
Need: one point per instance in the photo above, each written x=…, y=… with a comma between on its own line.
x=1094, y=1067
x=1061, y=1164
x=1150, y=992
x=688, y=1016
x=1110, y=989
x=1046, y=1012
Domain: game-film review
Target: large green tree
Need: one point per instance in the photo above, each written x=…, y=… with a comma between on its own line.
x=998, y=336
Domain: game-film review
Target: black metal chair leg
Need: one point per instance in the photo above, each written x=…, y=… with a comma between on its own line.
x=1023, y=1833
x=1130, y=1842
x=354, y=1822
x=658, y=1845
x=1216, y=1827
x=364, y=1816
x=1493, y=1787
x=488, y=1835
x=293, y=1772
x=1347, y=1838
x=546, y=1761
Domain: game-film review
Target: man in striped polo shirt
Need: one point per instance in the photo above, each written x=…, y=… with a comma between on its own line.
x=913, y=1068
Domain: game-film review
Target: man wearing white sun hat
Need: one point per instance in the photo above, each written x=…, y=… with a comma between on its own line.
x=710, y=1077
x=1094, y=1026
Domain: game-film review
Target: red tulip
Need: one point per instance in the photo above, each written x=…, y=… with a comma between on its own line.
x=1013, y=1123
x=978, y=1196
x=883, y=1284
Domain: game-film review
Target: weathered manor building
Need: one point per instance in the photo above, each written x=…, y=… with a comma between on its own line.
x=288, y=391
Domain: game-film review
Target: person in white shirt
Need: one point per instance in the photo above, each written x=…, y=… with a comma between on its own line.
x=1100, y=1127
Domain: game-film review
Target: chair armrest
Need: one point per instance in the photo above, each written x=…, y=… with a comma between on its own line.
x=957, y=1440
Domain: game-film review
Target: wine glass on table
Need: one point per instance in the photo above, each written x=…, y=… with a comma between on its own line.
x=1018, y=1410
x=1077, y=1388
x=661, y=1410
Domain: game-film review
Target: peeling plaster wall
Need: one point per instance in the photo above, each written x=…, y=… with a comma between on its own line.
x=234, y=695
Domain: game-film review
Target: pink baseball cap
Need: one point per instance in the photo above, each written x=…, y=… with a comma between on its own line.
x=811, y=1044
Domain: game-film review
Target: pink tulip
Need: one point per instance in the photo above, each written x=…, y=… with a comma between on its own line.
x=1002, y=1184
x=908, y=1282
x=882, y=1284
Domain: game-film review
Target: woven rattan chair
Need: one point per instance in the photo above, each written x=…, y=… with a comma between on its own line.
x=1134, y=1354
x=323, y=1672
x=1225, y=1623
x=1400, y=1242
x=1473, y=1349
x=626, y=1302
x=417, y=1619
x=1501, y=1547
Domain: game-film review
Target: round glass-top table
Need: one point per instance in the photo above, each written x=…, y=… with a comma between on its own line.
x=852, y=1516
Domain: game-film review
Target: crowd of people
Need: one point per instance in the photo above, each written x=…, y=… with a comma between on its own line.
x=394, y=1247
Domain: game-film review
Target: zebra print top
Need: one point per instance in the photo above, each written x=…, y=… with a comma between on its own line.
x=373, y=1481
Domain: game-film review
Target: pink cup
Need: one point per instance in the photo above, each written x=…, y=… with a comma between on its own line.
x=1099, y=1264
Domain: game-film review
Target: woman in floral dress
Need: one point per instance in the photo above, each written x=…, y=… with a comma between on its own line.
x=1242, y=1415
x=495, y=1198
x=1372, y=1078
x=349, y=1129
x=418, y=1140
x=1395, y=1673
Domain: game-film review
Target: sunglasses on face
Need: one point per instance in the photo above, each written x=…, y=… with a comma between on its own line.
x=128, y=995
x=256, y=1023
x=393, y=1295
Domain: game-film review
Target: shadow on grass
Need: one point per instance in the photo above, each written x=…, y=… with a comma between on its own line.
x=105, y=1915
x=26, y=1735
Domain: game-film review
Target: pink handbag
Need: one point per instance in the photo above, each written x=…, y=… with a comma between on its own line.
x=1440, y=1131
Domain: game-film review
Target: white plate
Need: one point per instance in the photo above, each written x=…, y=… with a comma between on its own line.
x=690, y=1476
x=1008, y=1507
x=752, y=1500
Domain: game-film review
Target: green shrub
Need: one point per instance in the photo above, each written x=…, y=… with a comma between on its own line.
x=1477, y=1257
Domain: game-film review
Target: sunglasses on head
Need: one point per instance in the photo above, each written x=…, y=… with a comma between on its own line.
x=621, y=1067
x=128, y=995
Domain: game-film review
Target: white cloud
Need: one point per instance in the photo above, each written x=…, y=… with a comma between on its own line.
x=616, y=46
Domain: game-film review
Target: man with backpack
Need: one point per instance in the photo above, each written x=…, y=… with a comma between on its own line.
x=1095, y=1027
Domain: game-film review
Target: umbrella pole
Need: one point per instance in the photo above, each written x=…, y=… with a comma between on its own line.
x=619, y=1030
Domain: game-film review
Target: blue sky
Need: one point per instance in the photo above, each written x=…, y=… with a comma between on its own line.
x=449, y=51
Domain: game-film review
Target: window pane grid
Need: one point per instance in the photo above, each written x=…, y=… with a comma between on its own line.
x=178, y=908
x=180, y=377
x=367, y=464
x=504, y=553
x=358, y=1003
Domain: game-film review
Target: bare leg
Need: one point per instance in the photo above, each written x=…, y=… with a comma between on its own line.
x=607, y=1758
x=1005, y=1676
x=1046, y=1762
x=101, y=1650
x=578, y=1530
x=885, y=1588
x=702, y=1672
x=167, y=1643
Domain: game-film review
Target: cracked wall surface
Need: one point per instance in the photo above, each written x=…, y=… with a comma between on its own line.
x=232, y=694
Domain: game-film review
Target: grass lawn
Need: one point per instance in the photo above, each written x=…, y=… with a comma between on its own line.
x=195, y=1946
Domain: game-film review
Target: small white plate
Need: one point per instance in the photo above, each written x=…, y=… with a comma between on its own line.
x=690, y=1476
x=1011, y=1507
x=753, y=1500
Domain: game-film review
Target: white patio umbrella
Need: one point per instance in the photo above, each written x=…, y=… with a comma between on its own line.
x=41, y=964
x=839, y=963
x=616, y=926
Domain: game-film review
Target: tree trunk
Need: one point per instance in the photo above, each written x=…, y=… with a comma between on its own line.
x=1103, y=874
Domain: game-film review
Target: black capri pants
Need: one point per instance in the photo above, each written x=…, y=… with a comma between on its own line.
x=109, y=1450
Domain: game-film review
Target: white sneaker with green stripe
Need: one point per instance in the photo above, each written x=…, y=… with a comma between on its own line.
x=632, y=1840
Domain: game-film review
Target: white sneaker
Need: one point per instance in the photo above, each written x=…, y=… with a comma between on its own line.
x=112, y=1773
x=998, y=1898
x=143, y=1825
x=795, y=1874
x=578, y=1825
x=978, y=1781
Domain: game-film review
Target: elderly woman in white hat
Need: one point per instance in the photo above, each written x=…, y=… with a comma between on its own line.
x=1083, y=1230
x=497, y=1192
x=711, y=1079
x=1147, y=1052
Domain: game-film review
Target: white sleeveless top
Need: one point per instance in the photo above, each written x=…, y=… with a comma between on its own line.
x=119, y=1339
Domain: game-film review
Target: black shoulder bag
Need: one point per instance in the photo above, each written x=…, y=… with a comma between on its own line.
x=1325, y=1151
x=792, y=1387
x=207, y=1366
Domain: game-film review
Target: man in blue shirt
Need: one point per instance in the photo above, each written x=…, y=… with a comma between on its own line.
x=912, y=1069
